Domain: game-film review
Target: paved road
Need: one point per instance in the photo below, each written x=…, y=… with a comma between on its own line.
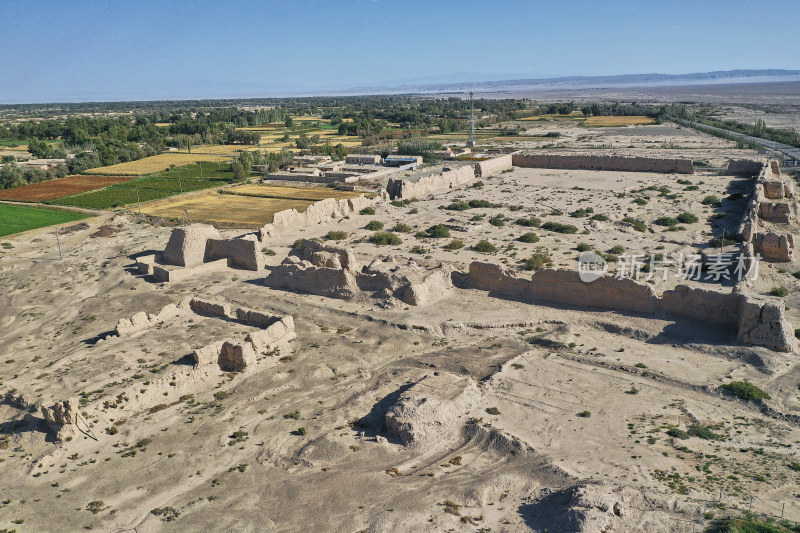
x=790, y=151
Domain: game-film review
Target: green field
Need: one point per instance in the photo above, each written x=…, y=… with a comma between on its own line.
x=17, y=218
x=153, y=187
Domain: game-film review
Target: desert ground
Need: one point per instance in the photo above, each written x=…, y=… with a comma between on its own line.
x=472, y=413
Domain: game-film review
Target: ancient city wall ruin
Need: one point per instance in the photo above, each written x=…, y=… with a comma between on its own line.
x=604, y=162
x=436, y=184
x=758, y=321
x=757, y=237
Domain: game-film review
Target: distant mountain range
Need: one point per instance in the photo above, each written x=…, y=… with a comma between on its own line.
x=586, y=82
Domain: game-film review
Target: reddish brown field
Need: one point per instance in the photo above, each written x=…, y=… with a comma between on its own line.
x=58, y=188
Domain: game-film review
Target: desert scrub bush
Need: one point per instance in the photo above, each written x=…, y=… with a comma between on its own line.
x=601, y=217
x=560, y=228
x=401, y=228
x=374, y=225
x=367, y=211
x=419, y=250
x=301, y=431
x=268, y=251
x=744, y=390
x=617, y=250
x=638, y=225
x=582, y=212
x=640, y=201
x=477, y=218
x=413, y=211
x=167, y=514
x=112, y=430
x=531, y=222
x=498, y=220
x=702, y=432
x=477, y=185
x=384, y=238
x=540, y=259
x=684, y=182
x=483, y=203
x=666, y=221
x=779, y=291
x=556, y=212
x=439, y=231
x=711, y=200
x=687, y=218
x=528, y=237
x=677, y=433
x=400, y=203
x=719, y=242
x=584, y=414
x=493, y=410
x=455, y=244
x=484, y=247
x=458, y=206
x=221, y=395
x=335, y=236
x=583, y=247
x=97, y=506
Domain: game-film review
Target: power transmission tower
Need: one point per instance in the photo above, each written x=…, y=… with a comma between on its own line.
x=471, y=139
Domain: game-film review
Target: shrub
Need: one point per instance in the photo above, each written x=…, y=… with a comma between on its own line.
x=458, y=206
x=498, y=220
x=583, y=247
x=439, y=231
x=374, y=225
x=528, y=237
x=638, y=225
x=96, y=506
x=744, y=390
x=531, y=222
x=711, y=200
x=559, y=228
x=584, y=414
x=335, y=236
x=367, y=211
x=301, y=431
x=455, y=244
x=779, y=291
x=617, y=250
x=687, y=218
x=419, y=250
x=582, y=212
x=402, y=228
x=167, y=514
x=702, y=432
x=601, y=218
x=666, y=221
x=493, y=410
x=112, y=430
x=735, y=196
x=413, y=211
x=718, y=242
x=483, y=203
x=677, y=433
x=640, y=201
x=692, y=188
x=221, y=395
x=383, y=238
x=539, y=259
x=485, y=247
x=684, y=182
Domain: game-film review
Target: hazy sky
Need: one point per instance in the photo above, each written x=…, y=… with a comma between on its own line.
x=117, y=50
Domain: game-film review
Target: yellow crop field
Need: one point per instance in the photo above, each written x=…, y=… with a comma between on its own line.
x=618, y=121
x=214, y=149
x=239, y=210
x=156, y=163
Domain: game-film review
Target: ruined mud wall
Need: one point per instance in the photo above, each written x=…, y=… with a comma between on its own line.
x=316, y=213
x=242, y=253
x=436, y=184
x=604, y=162
x=758, y=321
x=493, y=166
x=768, y=184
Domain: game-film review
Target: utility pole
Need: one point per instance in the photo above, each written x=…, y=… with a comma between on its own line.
x=137, y=200
x=180, y=184
x=58, y=240
x=471, y=140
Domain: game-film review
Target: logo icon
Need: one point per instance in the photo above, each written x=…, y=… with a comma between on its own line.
x=591, y=266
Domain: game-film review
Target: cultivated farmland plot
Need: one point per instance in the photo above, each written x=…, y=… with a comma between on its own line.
x=59, y=188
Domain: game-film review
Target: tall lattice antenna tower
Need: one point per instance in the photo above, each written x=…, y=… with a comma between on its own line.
x=471, y=140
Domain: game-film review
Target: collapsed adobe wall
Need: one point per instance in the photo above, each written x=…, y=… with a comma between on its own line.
x=193, y=245
x=316, y=213
x=493, y=166
x=759, y=322
x=435, y=184
x=604, y=162
x=334, y=272
x=768, y=185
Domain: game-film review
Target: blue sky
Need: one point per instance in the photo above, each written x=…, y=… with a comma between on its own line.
x=84, y=50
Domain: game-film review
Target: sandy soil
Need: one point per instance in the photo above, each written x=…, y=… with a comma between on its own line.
x=565, y=428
